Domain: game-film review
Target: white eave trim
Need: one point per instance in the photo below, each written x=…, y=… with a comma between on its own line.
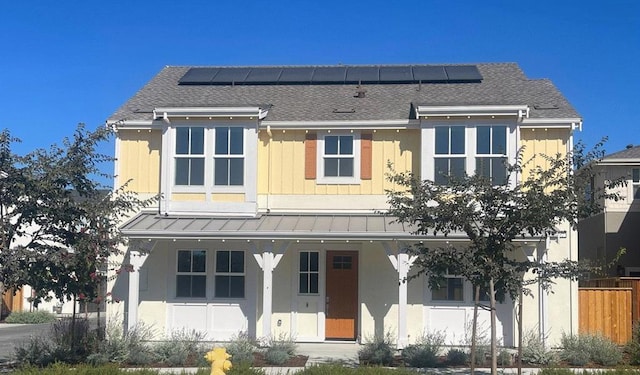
x=131, y=124
x=565, y=123
x=166, y=113
x=620, y=162
x=342, y=124
x=426, y=111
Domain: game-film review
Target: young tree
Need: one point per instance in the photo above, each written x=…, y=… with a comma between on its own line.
x=533, y=201
x=59, y=223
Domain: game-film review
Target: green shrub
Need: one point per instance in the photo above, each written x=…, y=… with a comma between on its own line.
x=424, y=353
x=556, y=371
x=505, y=358
x=243, y=368
x=534, y=352
x=276, y=356
x=241, y=348
x=457, y=357
x=180, y=348
x=280, y=349
x=377, y=351
x=579, y=350
x=36, y=351
x=30, y=317
x=337, y=369
x=130, y=347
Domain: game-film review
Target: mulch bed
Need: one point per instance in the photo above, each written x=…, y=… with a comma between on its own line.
x=295, y=361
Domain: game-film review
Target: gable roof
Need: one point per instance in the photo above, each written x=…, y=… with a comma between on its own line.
x=501, y=84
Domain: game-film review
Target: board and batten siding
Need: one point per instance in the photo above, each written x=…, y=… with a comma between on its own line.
x=284, y=165
x=139, y=160
x=541, y=141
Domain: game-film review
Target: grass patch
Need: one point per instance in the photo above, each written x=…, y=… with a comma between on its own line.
x=30, y=317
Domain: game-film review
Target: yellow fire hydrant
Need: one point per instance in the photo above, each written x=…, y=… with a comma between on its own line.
x=219, y=359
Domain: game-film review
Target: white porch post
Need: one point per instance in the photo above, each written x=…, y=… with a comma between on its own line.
x=402, y=263
x=136, y=259
x=267, y=261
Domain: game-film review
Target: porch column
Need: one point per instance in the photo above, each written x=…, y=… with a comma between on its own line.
x=267, y=261
x=402, y=263
x=136, y=259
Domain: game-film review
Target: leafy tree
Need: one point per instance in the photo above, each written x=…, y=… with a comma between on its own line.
x=537, y=197
x=59, y=224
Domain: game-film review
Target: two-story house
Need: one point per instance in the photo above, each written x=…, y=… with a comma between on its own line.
x=272, y=180
x=601, y=236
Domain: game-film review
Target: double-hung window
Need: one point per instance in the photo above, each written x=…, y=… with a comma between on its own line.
x=452, y=289
x=491, y=153
x=191, y=276
x=309, y=271
x=635, y=182
x=230, y=274
x=450, y=158
x=338, y=156
x=189, y=156
x=228, y=156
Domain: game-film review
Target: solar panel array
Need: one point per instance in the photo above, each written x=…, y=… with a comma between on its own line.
x=332, y=75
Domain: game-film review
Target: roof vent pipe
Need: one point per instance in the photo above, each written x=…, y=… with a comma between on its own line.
x=629, y=146
x=360, y=92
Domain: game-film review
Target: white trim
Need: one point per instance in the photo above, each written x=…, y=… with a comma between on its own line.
x=165, y=113
x=572, y=123
x=519, y=111
x=346, y=180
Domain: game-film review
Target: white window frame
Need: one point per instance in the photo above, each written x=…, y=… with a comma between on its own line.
x=428, y=141
x=228, y=156
x=217, y=273
x=322, y=179
x=635, y=183
x=308, y=272
x=189, y=155
x=191, y=273
x=491, y=155
x=447, y=278
x=449, y=155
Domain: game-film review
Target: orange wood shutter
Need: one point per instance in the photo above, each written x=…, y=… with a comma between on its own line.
x=310, y=156
x=365, y=156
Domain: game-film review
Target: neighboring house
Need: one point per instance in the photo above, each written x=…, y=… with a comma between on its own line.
x=601, y=236
x=272, y=180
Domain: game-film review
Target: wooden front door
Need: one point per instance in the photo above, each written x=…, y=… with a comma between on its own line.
x=341, y=310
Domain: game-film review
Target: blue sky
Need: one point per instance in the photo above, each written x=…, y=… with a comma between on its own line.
x=66, y=62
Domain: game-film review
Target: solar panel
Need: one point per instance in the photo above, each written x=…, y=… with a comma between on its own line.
x=396, y=74
x=230, y=75
x=296, y=75
x=368, y=74
x=334, y=74
x=429, y=74
x=263, y=75
x=463, y=73
x=198, y=76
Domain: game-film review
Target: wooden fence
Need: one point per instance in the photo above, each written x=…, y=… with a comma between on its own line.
x=606, y=311
x=11, y=302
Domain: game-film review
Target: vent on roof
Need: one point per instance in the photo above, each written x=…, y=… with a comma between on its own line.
x=332, y=75
x=546, y=106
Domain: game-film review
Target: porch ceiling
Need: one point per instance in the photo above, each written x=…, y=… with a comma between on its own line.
x=275, y=226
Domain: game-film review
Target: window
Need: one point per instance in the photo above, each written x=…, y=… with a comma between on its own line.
x=635, y=182
x=308, y=277
x=449, y=153
x=229, y=157
x=338, y=156
x=189, y=158
x=229, y=279
x=342, y=262
x=191, y=277
x=491, y=153
x=450, y=290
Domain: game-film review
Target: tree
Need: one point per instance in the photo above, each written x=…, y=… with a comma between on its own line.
x=59, y=223
x=537, y=196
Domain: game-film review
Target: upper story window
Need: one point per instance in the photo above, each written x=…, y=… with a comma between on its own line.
x=491, y=153
x=191, y=274
x=309, y=272
x=228, y=157
x=450, y=155
x=635, y=182
x=339, y=158
x=189, y=156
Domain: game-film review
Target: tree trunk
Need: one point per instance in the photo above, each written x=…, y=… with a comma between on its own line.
x=520, y=333
x=494, y=344
x=474, y=327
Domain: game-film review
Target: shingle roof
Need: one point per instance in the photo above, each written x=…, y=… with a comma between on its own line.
x=632, y=152
x=502, y=84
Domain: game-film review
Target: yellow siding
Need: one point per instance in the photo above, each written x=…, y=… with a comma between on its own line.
x=281, y=163
x=139, y=160
x=536, y=142
x=232, y=197
x=188, y=197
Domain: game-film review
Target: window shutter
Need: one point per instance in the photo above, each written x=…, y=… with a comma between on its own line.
x=310, y=156
x=365, y=156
